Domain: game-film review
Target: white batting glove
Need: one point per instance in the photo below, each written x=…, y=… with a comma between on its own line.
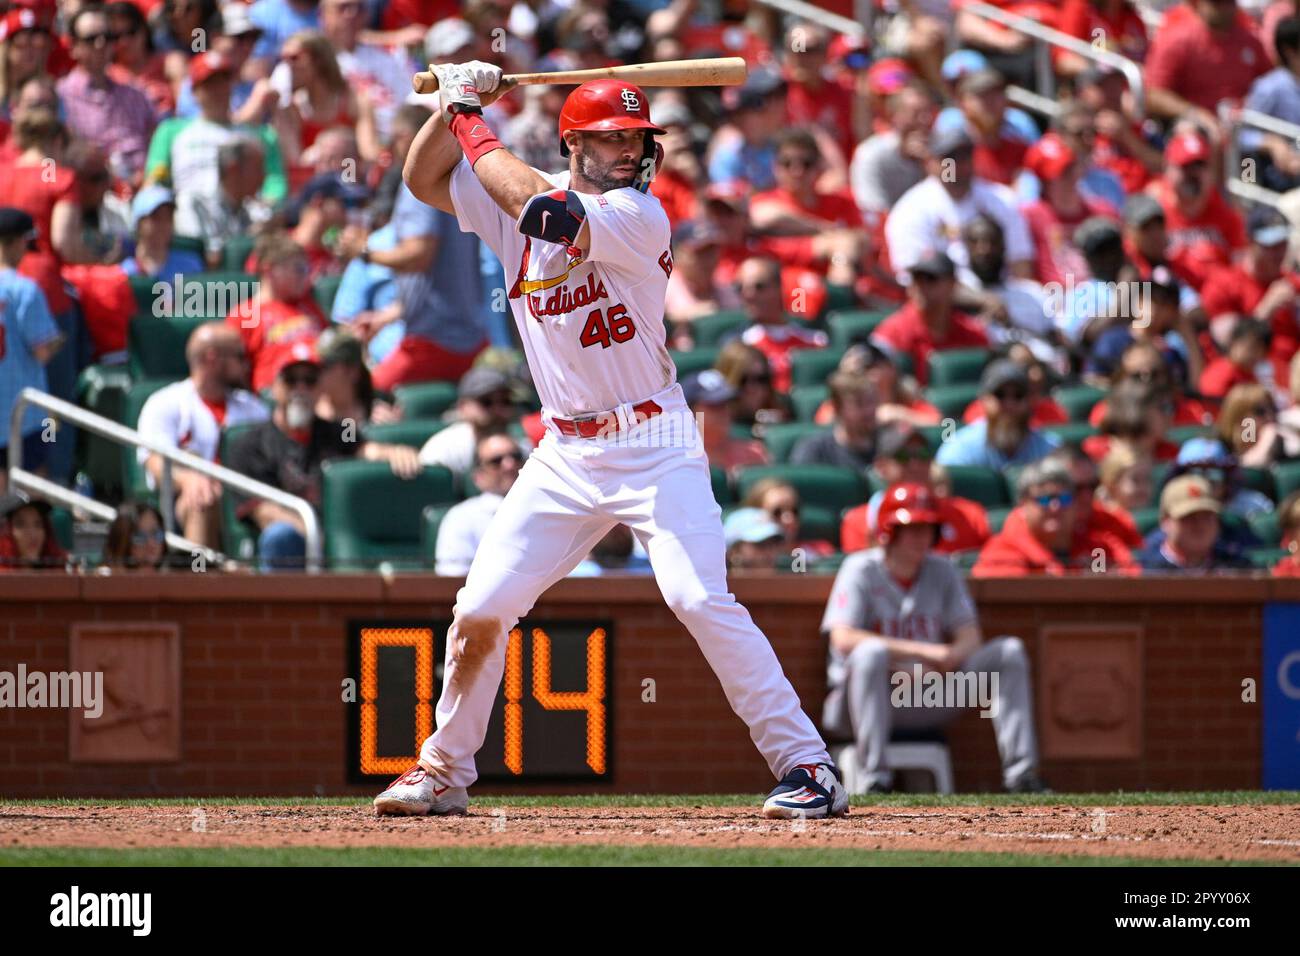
x=455, y=87
x=486, y=76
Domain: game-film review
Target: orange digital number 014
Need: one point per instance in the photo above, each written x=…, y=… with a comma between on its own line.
x=592, y=700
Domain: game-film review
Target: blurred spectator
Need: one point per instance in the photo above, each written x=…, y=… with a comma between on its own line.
x=1118, y=145
x=445, y=328
x=1138, y=415
x=1204, y=229
x=279, y=20
x=1008, y=50
x=531, y=131
x=930, y=217
x=1003, y=437
x=897, y=397
x=136, y=539
x=1248, y=344
x=177, y=25
x=220, y=216
x=771, y=331
x=1046, y=411
x=754, y=540
x=1114, y=23
x=1013, y=309
x=1127, y=482
x=747, y=371
x=25, y=46
x=710, y=398
x=617, y=551
x=1217, y=465
x=234, y=44
x=408, y=121
x=919, y=31
x=190, y=415
x=1190, y=535
x=347, y=393
x=1146, y=245
x=105, y=216
x=1150, y=314
x=1001, y=133
x=929, y=322
x=1104, y=518
x=497, y=460
x=679, y=180
x=153, y=213
x=1054, y=218
x=903, y=455
x=284, y=313
x=1289, y=517
x=851, y=441
x=1044, y=535
x=813, y=98
x=744, y=149
x=368, y=287
x=287, y=453
x=30, y=338
x=485, y=405
x=1202, y=54
x=27, y=541
x=693, y=287
x=1145, y=362
x=1277, y=94
x=1260, y=286
x=1288, y=419
x=1248, y=426
x=307, y=95
x=780, y=501
x=889, y=163
x=114, y=116
x=381, y=77
x=136, y=62
x=319, y=212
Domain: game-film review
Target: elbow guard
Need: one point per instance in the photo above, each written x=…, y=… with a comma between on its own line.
x=555, y=216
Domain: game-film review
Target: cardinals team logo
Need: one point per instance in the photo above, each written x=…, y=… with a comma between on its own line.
x=631, y=102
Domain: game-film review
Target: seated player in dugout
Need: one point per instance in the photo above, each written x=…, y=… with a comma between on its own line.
x=898, y=610
x=587, y=258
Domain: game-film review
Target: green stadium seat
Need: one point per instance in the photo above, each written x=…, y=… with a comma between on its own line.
x=413, y=432
x=965, y=560
x=222, y=291
x=723, y=493
x=1286, y=479
x=827, y=565
x=957, y=366
x=156, y=347
x=237, y=537
x=997, y=518
x=1072, y=433
x=819, y=524
x=933, y=435
x=712, y=329
x=102, y=389
x=1265, y=558
x=829, y=486
x=806, y=399
x=430, y=522
x=951, y=400
x=426, y=399
x=781, y=439
x=236, y=253
x=358, y=533
x=325, y=289
x=61, y=520
x=1078, y=400
x=1182, y=433
x=1267, y=528
x=984, y=485
x=693, y=360
x=813, y=366
x=133, y=476
x=847, y=326
x=1147, y=519
x=1259, y=479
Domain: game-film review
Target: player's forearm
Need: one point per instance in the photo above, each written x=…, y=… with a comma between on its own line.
x=845, y=639
x=509, y=180
x=1167, y=104
x=433, y=155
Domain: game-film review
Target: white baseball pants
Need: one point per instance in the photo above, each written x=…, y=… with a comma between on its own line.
x=654, y=478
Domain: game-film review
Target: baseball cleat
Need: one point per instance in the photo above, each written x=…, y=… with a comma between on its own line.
x=415, y=794
x=808, y=792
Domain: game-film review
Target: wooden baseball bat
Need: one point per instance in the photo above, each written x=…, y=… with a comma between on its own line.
x=720, y=71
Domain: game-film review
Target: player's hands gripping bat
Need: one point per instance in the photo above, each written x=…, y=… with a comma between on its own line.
x=469, y=86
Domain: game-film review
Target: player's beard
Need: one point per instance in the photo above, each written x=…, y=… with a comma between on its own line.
x=602, y=175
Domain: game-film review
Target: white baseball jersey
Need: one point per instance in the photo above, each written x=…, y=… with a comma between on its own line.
x=176, y=417
x=592, y=328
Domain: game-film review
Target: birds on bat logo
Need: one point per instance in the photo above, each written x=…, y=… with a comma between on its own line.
x=631, y=102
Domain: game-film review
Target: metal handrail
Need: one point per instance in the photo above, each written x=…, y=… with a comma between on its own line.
x=1047, y=35
x=831, y=21
x=106, y=428
x=1233, y=119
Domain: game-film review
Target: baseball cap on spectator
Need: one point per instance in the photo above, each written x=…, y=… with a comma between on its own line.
x=1050, y=157
x=866, y=354
x=960, y=62
x=750, y=525
x=1267, y=227
x=853, y=52
x=147, y=200
x=1204, y=451
x=1186, y=495
x=236, y=22
x=1165, y=284
x=207, y=65
x=946, y=141
x=936, y=264
x=1186, y=149
x=479, y=382
x=1141, y=209
x=446, y=37
x=1096, y=233
x=984, y=80
x=709, y=387
x=302, y=353
x=888, y=76
x=733, y=195
x=1001, y=373
x=14, y=224
x=761, y=84
x=696, y=233
x=333, y=186
x=16, y=21
x=17, y=498
x=896, y=436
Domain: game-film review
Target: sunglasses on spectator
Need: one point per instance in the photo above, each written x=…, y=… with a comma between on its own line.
x=295, y=379
x=1061, y=499
x=1146, y=375
x=1011, y=395
x=148, y=537
x=1263, y=411
x=761, y=286
x=1215, y=476
x=905, y=455
x=499, y=400
x=762, y=378
x=796, y=162
x=93, y=39
x=496, y=461
x=791, y=511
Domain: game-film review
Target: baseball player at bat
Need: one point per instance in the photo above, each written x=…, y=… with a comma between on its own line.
x=900, y=613
x=586, y=253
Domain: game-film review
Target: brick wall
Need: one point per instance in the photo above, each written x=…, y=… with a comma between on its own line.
x=262, y=660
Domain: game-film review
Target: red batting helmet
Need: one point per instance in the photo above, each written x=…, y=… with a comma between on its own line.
x=604, y=105
x=906, y=503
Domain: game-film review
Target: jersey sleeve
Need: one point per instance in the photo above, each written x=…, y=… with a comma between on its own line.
x=849, y=604
x=958, y=608
x=35, y=324
x=629, y=230
x=159, y=419
x=478, y=212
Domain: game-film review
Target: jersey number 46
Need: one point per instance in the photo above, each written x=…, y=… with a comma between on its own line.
x=612, y=324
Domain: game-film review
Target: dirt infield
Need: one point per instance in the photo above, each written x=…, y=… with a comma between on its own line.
x=1263, y=833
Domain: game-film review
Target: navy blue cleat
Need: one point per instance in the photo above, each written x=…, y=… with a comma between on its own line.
x=808, y=792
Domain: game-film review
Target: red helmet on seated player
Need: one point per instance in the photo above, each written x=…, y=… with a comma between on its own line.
x=907, y=503
x=604, y=105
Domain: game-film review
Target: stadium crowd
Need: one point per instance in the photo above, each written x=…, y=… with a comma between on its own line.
x=1061, y=325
